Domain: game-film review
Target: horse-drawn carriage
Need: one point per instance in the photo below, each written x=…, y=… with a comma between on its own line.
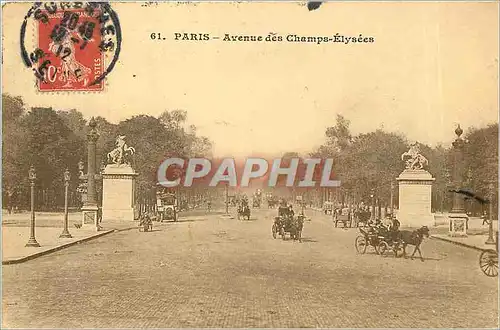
x=383, y=240
x=344, y=216
x=488, y=260
x=370, y=236
x=286, y=222
x=272, y=202
x=243, y=210
x=328, y=207
x=256, y=203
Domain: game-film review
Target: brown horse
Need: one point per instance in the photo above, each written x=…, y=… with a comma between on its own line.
x=407, y=237
x=298, y=225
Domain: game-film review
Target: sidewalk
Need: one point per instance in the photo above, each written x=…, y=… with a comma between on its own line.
x=471, y=241
x=49, y=225
x=15, y=238
x=16, y=232
x=477, y=234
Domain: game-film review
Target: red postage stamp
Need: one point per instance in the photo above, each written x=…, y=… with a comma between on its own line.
x=73, y=59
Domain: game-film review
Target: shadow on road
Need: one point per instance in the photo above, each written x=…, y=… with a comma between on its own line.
x=183, y=220
x=391, y=255
x=309, y=240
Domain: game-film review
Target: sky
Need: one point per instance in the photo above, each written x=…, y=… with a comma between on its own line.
x=431, y=66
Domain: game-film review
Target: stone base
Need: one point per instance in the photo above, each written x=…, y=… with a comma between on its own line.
x=415, y=191
x=458, y=224
x=118, y=196
x=89, y=217
x=416, y=221
x=118, y=214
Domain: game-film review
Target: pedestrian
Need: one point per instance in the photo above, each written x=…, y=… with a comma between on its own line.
x=485, y=218
x=394, y=229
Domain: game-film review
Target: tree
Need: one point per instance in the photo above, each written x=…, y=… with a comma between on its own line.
x=107, y=139
x=481, y=161
x=339, y=137
x=372, y=162
x=51, y=147
x=74, y=120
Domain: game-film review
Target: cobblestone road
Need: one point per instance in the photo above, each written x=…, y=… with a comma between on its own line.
x=211, y=272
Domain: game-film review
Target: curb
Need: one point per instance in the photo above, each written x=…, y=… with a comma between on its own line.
x=460, y=243
x=54, y=249
x=124, y=229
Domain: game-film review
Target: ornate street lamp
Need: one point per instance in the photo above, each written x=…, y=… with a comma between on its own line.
x=491, y=240
x=67, y=178
x=32, y=240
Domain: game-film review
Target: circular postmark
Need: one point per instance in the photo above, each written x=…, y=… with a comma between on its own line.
x=75, y=45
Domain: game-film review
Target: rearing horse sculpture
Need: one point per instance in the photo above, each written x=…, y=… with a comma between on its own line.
x=118, y=155
x=414, y=160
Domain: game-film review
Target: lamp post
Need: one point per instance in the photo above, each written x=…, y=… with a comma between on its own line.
x=65, y=233
x=392, y=198
x=32, y=240
x=490, y=239
x=372, y=196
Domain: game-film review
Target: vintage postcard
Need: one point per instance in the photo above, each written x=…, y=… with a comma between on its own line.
x=250, y=164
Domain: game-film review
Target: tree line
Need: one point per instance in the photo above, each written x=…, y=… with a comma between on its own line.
x=54, y=140
x=367, y=163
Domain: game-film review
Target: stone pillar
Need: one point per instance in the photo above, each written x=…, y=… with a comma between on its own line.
x=415, y=193
x=457, y=217
x=90, y=208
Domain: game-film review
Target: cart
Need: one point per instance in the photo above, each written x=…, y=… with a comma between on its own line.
x=166, y=206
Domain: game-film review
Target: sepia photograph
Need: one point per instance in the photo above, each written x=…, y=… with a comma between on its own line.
x=250, y=164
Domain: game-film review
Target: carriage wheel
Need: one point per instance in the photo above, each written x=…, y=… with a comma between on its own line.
x=488, y=261
x=360, y=244
x=383, y=247
x=275, y=231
